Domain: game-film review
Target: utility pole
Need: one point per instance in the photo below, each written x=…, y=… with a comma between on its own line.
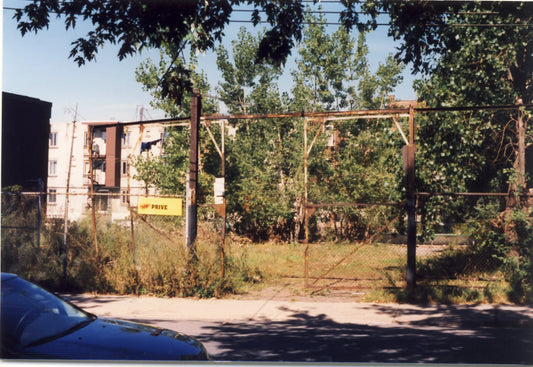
x=67, y=201
x=91, y=186
x=192, y=184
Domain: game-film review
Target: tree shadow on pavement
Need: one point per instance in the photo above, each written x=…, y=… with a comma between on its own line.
x=464, y=316
x=305, y=338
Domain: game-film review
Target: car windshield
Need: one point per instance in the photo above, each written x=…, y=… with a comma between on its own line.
x=30, y=314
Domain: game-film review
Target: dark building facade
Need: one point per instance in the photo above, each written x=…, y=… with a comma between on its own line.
x=25, y=134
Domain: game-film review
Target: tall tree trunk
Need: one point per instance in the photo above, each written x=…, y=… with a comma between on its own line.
x=517, y=185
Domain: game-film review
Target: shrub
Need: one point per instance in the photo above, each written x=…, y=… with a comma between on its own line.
x=508, y=239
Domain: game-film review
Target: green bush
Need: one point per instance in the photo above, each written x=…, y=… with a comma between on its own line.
x=507, y=238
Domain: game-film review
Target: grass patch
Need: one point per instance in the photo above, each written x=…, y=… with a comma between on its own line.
x=155, y=261
x=378, y=271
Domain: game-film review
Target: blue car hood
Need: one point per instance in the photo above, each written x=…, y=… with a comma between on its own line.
x=107, y=339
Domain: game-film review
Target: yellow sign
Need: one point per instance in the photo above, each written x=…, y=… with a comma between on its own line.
x=160, y=206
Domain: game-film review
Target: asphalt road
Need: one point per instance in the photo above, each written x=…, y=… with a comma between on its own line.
x=269, y=331
x=307, y=339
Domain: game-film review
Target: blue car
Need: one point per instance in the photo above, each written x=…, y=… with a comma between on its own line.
x=39, y=325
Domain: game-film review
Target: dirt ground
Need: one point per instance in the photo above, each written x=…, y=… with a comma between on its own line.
x=290, y=289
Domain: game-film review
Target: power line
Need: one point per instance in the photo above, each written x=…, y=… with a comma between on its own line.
x=482, y=25
x=307, y=11
x=308, y=23
x=328, y=23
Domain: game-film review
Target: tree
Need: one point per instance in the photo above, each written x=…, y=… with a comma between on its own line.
x=136, y=24
x=259, y=156
x=427, y=29
x=481, y=55
x=168, y=172
x=149, y=75
x=321, y=67
x=333, y=73
x=491, y=41
x=467, y=151
x=242, y=74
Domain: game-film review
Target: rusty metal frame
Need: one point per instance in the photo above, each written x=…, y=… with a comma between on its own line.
x=412, y=195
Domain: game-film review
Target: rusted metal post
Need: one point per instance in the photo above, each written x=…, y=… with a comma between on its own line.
x=411, y=203
x=223, y=168
x=306, y=216
x=192, y=185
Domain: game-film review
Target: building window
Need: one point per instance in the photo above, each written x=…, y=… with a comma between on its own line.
x=52, y=196
x=126, y=139
x=124, y=197
x=85, y=140
x=53, y=139
x=103, y=135
x=52, y=168
x=100, y=202
x=124, y=168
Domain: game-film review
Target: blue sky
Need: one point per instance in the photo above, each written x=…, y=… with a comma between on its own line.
x=37, y=65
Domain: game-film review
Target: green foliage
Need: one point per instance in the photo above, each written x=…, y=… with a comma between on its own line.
x=518, y=262
x=168, y=172
x=149, y=75
x=260, y=157
x=19, y=230
x=333, y=72
x=138, y=25
x=363, y=168
x=430, y=30
x=507, y=237
x=246, y=84
x=264, y=160
x=476, y=66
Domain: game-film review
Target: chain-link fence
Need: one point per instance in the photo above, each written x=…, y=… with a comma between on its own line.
x=146, y=253
x=22, y=219
x=464, y=253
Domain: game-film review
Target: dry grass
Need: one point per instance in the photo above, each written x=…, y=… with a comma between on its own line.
x=348, y=271
x=160, y=264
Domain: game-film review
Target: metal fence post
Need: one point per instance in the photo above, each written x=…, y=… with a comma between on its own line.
x=411, y=203
x=192, y=187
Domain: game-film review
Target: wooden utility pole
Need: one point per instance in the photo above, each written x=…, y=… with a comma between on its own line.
x=411, y=201
x=192, y=184
x=91, y=187
x=67, y=202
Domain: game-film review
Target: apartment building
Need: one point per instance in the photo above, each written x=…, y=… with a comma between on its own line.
x=113, y=147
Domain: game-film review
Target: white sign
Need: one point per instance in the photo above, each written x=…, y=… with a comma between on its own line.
x=219, y=190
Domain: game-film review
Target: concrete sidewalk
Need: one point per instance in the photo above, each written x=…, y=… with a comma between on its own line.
x=229, y=310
